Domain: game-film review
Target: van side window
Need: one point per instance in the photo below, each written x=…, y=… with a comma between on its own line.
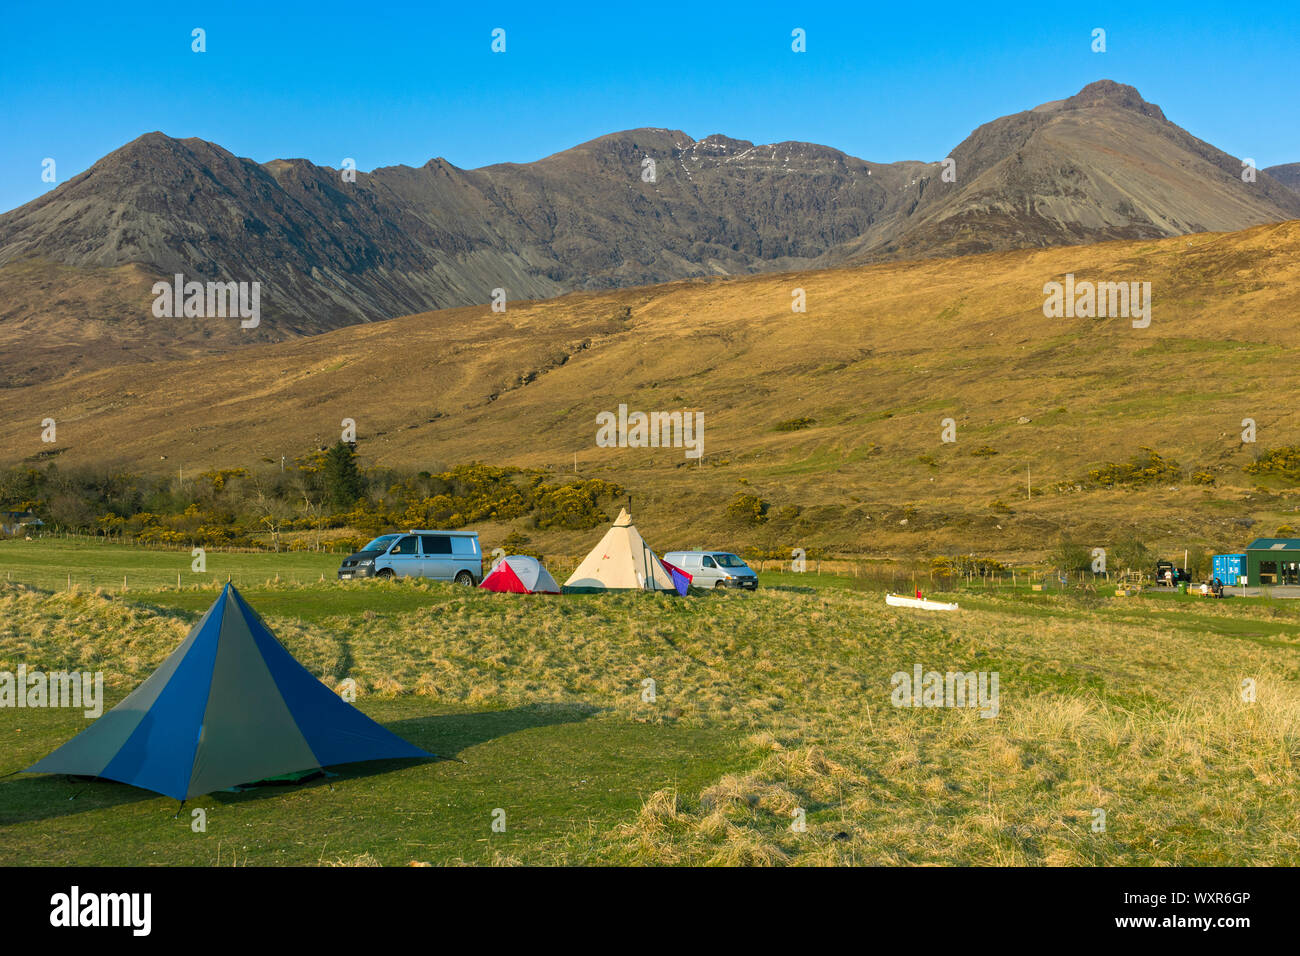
x=708, y=562
x=435, y=543
x=405, y=546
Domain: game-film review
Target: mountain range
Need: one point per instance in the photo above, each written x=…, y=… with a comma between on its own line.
x=633, y=208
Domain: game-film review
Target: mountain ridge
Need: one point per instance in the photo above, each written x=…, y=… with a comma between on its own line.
x=1099, y=165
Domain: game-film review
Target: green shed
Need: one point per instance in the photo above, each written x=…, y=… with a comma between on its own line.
x=1273, y=561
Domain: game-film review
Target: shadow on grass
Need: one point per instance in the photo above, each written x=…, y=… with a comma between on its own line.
x=449, y=735
x=26, y=798
x=172, y=612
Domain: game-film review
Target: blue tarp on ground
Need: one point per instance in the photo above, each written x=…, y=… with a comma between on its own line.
x=681, y=580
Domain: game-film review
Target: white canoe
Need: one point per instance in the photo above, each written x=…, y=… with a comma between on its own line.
x=899, y=600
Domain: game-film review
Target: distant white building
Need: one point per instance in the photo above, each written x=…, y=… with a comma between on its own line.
x=18, y=522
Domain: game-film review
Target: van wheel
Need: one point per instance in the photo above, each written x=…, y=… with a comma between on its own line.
x=465, y=579
x=720, y=586
x=384, y=573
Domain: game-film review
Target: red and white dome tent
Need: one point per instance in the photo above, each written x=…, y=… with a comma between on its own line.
x=520, y=574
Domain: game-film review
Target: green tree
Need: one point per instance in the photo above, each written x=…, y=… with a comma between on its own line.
x=1070, y=556
x=1132, y=555
x=344, y=482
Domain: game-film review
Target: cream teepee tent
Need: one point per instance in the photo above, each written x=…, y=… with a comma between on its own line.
x=622, y=561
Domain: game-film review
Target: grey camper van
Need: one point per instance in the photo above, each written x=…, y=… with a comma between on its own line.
x=440, y=555
x=714, y=569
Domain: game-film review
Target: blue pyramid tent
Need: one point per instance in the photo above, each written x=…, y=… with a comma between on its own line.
x=229, y=706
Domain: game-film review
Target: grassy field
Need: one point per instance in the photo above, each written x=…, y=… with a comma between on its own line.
x=52, y=563
x=766, y=704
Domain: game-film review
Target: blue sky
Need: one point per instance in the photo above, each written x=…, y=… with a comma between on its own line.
x=390, y=83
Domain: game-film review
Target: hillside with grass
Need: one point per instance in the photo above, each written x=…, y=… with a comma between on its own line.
x=823, y=429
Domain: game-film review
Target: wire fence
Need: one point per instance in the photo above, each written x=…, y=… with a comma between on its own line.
x=250, y=565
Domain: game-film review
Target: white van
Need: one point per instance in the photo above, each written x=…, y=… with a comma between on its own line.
x=714, y=569
x=440, y=555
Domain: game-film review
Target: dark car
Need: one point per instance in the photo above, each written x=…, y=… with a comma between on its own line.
x=1179, y=575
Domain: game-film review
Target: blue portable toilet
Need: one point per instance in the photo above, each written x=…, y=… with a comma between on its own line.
x=1229, y=568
